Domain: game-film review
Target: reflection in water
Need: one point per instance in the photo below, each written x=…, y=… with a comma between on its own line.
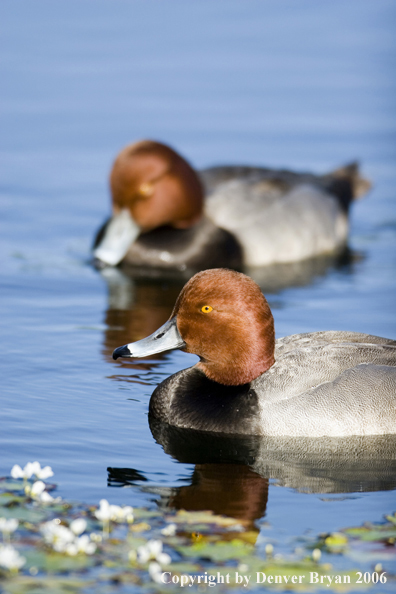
x=136, y=308
x=315, y=465
x=232, y=472
x=235, y=491
x=276, y=277
x=231, y=490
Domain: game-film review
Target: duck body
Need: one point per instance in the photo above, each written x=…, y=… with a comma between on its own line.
x=169, y=250
x=251, y=216
x=246, y=382
x=322, y=384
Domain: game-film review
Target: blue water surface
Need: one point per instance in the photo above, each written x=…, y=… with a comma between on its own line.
x=304, y=85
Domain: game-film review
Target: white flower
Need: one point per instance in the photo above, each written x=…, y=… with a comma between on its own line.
x=64, y=540
x=103, y=513
x=31, y=468
x=37, y=491
x=152, y=550
x=78, y=526
x=269, y=549
x=58, y=536
x=10, y=558
x=115, y=513
x=121, y=514
x=155, y=572
x=47, y=498
x=84, y=545
x=164, y=559
x=44, y=473
x=71, y=549
x=169, y=530
x=17, y=472
x=8, y=526
x=81, y=544
x=316, y=554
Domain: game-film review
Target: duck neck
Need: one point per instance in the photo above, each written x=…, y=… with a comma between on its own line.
x=235, y=375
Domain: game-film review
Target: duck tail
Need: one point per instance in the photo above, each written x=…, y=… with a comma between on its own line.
x=350, y=173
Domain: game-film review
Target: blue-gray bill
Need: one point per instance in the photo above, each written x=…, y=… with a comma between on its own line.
x=120, y=233
x=165, y=338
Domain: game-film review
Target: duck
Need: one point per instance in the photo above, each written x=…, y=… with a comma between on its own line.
x=167, y=216
x=247, y=382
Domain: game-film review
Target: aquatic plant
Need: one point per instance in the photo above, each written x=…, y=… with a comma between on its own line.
x=59, y=547
x=31, y=469
x=10, y=558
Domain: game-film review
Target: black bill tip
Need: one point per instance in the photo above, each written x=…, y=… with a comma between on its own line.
x=121, y=351
x=98, y=264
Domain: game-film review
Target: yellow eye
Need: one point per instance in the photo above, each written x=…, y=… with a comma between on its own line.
x=146, y=189
x=206, y=309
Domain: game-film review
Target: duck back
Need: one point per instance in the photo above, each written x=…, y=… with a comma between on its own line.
x=279, y=215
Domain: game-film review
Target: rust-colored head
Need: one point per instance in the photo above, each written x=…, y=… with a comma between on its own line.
x=223, y=317
x=156, y=185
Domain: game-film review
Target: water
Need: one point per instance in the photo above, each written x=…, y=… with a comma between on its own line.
x=303, y=85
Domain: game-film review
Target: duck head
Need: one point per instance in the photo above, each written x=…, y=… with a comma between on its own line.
x=151, y=186
x=221, y=316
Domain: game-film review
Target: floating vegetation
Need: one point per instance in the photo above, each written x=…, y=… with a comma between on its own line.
x=55, y=547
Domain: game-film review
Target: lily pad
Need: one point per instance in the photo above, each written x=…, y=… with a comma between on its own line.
x=52, y=562
x=33, y=515
x=219, y=551
x=44, y=585
x=204, y=518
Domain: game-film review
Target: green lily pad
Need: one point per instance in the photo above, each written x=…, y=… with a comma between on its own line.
x=52, y=562
x=184, y=567
x=25, y=514
x=336, y=540
x=219, y=551
x=372, y=534
x=44, y=585
x=10, y=499
x=9, y=484
x=205, y=517
x=391, y=519
x=145, y=514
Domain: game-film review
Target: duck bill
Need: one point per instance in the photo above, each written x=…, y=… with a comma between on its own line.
x=165, y=338
x=120, y=232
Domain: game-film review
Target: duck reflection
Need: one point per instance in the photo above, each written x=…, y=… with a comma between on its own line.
x=236, y=491
x=222, y=483
x=136, y=308
x=232, y=473
x=271, y=278
x=276, y=277
x=223, y=480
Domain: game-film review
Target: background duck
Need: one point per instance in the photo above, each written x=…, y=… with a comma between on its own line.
x=246, y=382
x=251, y=216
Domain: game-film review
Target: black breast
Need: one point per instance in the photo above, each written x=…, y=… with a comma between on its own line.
x=202, y=246
x=189, y=399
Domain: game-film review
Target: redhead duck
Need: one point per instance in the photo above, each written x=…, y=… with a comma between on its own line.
x=251, y=216
x=246, y=382
x=158, y=220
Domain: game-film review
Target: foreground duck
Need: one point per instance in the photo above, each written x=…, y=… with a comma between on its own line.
x=246, y=382
x=252, y=216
